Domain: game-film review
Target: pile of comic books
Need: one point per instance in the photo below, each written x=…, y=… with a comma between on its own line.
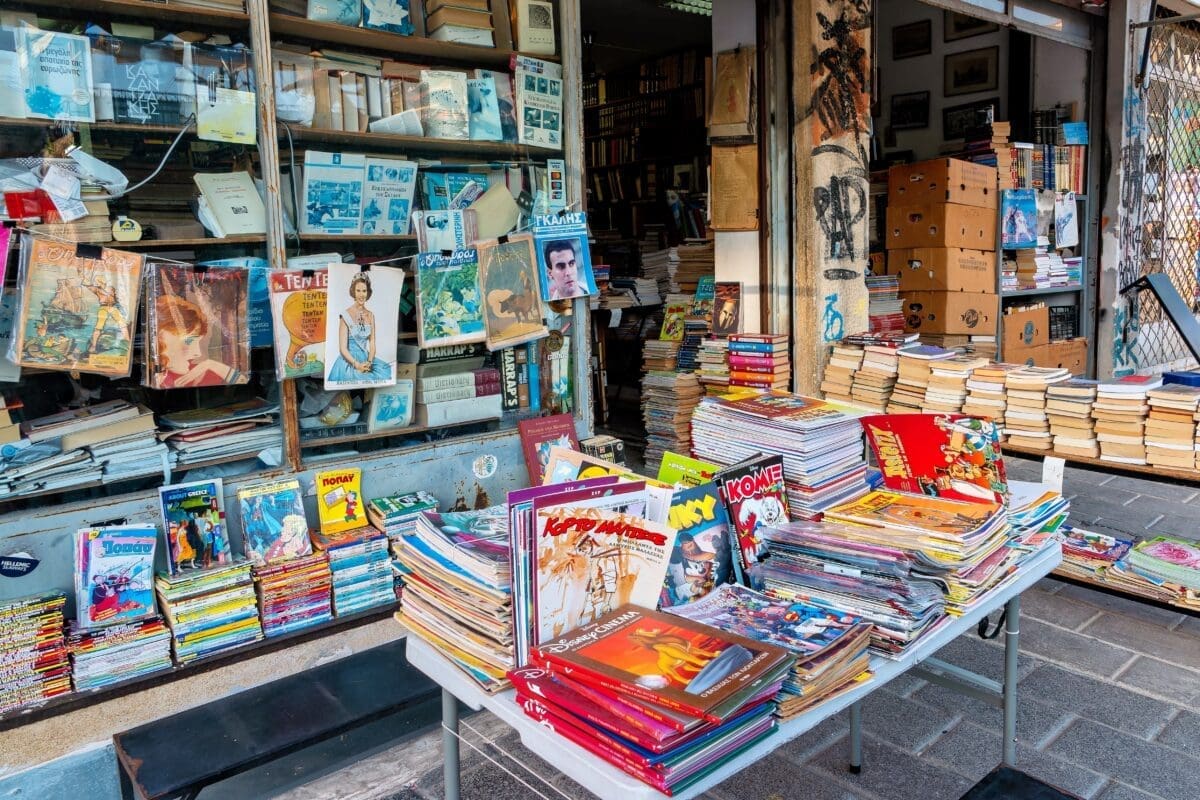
x=820, y=443
x=294, y=594
x=103, y=656
x=397, y=515
x=617, y=688
x=667, y=402
x=1036, y=513
x=360, y=566
x=458, y=589
x=209, y=610
x=1088, y=555
x=32, y=650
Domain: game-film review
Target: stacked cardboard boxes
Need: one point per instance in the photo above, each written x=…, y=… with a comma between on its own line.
x=1026, y=340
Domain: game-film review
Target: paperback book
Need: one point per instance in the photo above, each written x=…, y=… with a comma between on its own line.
x=702, y=559
x=388, y=196
x=539, y=101
x=196, y=327
x=941, y=455
x=360, y=338
x=683, y=472
x=446, y=112
x=333, y=192
x=444, y=230
x=193, y=516
x=298, y=299
x=539, y=435
x=114, y=574
x=340, y=505
x=57, y=71
x=448, y=305
x=273, y=522
x=393, y=16
x=390, y=407
x=1018, y=219
x=509, y=285
x=755, y=497
x=564, y=259
x=727, y=308
x=483, y=108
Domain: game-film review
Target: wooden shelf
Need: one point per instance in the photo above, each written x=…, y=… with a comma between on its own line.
x=363, y=437
x=1186, y=475
x=116, y=127
x=356, y=237
x=642, y=96
x=392, y=141
x=168, y=12
x=166, y=244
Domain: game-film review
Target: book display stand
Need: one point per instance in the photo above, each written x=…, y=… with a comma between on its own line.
x=610, y=783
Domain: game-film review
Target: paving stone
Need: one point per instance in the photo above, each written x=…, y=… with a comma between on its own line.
x=1163, y=490
x=482, y=780
x=1108, y=504
x=1050, y=585
x=1096, y=700
x=1036, y=721
x=1175, y=525
x=776, y=778
x=1120, y=604
x=904, y=723
x=891, y=772
x=1165, y=680
x=973, y=752
x=407, y=794
x=1128, y=519
x=984, y=657
x=1082, y=653
x=1147, y=639
x=1119, y=791
x=804, y=747
x=1057, y=608
x=1190, y=626
x=1149, y=766
x=1182, y=733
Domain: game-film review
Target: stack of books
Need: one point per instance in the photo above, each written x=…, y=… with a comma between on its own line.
x=449, y=397
x=209, y=610
x=1171, y=426
x=759, y=360
x=461, y=21
x=668, y=399
x=946, y=389
x=985, y=392
x=659, y=355
x=713, y=362
x=875, y=381
x=32, y=651
x=590, y=687
x=1120, y=413
x=1169, y=560
x=883, y=306
x=396, y=515
x=458, y=590
x=606, y=447
x=915, y=364
x=655, y=257
x=1005, y=167
x=104, y=656
x=360, y=568
x=838, y=381
x=1035, y=512
x=1025, y=419
x=697, y=325
x=226, y=433
x=693, y=260
x=294, y=594
x=1069, y=410
x=1088, y=555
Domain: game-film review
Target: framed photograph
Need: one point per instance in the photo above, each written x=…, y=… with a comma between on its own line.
x=972, y=71
x=914, y=39
x=960, y=26
x=910, y=111
x=957, y=120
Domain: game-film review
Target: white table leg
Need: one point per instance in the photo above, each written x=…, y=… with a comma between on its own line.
x=450, y=765
x=856, y=737
x=1011, y=647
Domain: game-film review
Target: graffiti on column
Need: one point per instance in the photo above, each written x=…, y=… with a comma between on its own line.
x=1129, y=265
x=841, y=203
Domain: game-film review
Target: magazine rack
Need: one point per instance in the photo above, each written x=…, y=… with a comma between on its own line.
x=608, y=782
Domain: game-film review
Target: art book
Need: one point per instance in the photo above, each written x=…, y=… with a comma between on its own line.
x=564, y=260
x=340, y=504
x=727, y=308
x=941, y=455
x=196, y=327
x=361, y=326
x=449, y=310
x=57, y=70
x=539, y=101
x=193, y=516
x=683, y=471
x=667, y=660
x=483, y=107
x=391, y=406
x=1018, y=219
x=539, y=435
x=273, y=523
x=755, y=497
x=388, y=196
x=393, y=16
x=114, y=574
x=78, y=314
x=509, y=285
x=703, y=558
x=333, y=192
x=298, y=298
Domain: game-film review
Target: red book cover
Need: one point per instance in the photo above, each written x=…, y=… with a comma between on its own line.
x=539, y=435
x=953, y=456
x=677, y=720
x=755, y=497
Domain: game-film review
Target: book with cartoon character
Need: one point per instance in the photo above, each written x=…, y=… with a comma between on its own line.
x=702, y=559
x=114, y=574
x=755, y=496
x=340, y=504
x=273, y=522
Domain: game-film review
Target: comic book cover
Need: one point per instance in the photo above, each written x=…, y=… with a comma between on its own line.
x=539, y=435
x=114, y=574
x=273, y=522
x=78, y=314
x=196, y=331
x=361, y=326
x=672, y=327
x=704, y=298
x=448, y=307
x=340, y=505
x=193, y=517
x=916, y=513
x=702, y=558
x=683, y=471
x=755, y=497
x=511, y=298
x=1018, y=219
x=793, y=409
x=564, y=259
x=954, y=456
x=298, y=299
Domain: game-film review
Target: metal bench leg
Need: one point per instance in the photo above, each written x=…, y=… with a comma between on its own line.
x=450, y=765
x=856, y=737
x=1012, y=627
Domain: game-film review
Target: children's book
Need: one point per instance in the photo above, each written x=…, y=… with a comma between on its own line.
x=449, y=310
x=727, y=308
x=361, y=326
x=539, y=435
x=333, y=192
x=564, y=259
x=702, y=558
x=918, y=514
x=273, y=522
x=57, y=75
x=340, y=504
x=509, y=285
x=673, y=317
x=114, y=574
x=755, y=497
x=393, y=16
x=75, y=313
x=444, y=230
x=193, y=516
x=391, y=406
x=196, y=327
x=683, y=471
x=940, y=455
x=298, y=299
x=483, y=107
x=388, y=196
x=1018, y=219
x=446, y=115
x=705, y=296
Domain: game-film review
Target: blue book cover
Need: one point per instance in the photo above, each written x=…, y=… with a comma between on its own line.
x=393, y=16
x=564, y=259
x=114, y=574
x=193, y=516
x=343, y=12
x=261, y=334
x=535, y=377
x=433, y=184
x=333, y=192
x=449, y=310
x=483, y=109
x=57, y=73
x=1018, y=215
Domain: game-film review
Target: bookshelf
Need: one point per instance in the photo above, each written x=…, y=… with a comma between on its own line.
x=173, y=12
x=417, y=144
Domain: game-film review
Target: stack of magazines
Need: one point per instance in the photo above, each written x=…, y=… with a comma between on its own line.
x=397, y=515
x=227, y=432
x=105, y=656
x=209, y=611
x=32, y=651
x=1088, y=555
x=360, y=566
x=294, y=594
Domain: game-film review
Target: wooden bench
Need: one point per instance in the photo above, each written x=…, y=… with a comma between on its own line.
x=177, y=756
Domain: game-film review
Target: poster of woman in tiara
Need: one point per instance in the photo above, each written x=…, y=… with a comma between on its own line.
x=360, y=339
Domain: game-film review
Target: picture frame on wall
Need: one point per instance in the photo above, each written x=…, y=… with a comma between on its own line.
x=971, y=71
x=957, y=120
x=957, y=26
x=911, y=40
x=909, y=111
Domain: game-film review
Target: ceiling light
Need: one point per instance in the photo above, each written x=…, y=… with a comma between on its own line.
x=691, y=6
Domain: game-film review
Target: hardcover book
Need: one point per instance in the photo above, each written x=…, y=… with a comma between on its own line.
x=702, y=559
x=196, y=327
x=755, y=497
x=273, y=522
x=340, y=505
x=78, y=314
x=564, y=259
x=361, y=326
x=388, y=196
x=114, y=574
x=298, y=299
x=449, y=310
x=391, y=406
x=539, y=435
x=483, y=108
x=509, y=285
x=193, y=516
x=394, y=16
x=57, y=71
x=333, y=192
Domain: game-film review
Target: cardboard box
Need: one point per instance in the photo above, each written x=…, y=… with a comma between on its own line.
x=951, y=312
x=943, y=180
x=941, y=225
x=1025, y=329
x=1069, y=353
x=943, y=269
x=1037, y=355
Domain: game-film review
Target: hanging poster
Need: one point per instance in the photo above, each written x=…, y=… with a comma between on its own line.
x=197, y=331
x=361, y=326
x=298, y=298
x=509, y=283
